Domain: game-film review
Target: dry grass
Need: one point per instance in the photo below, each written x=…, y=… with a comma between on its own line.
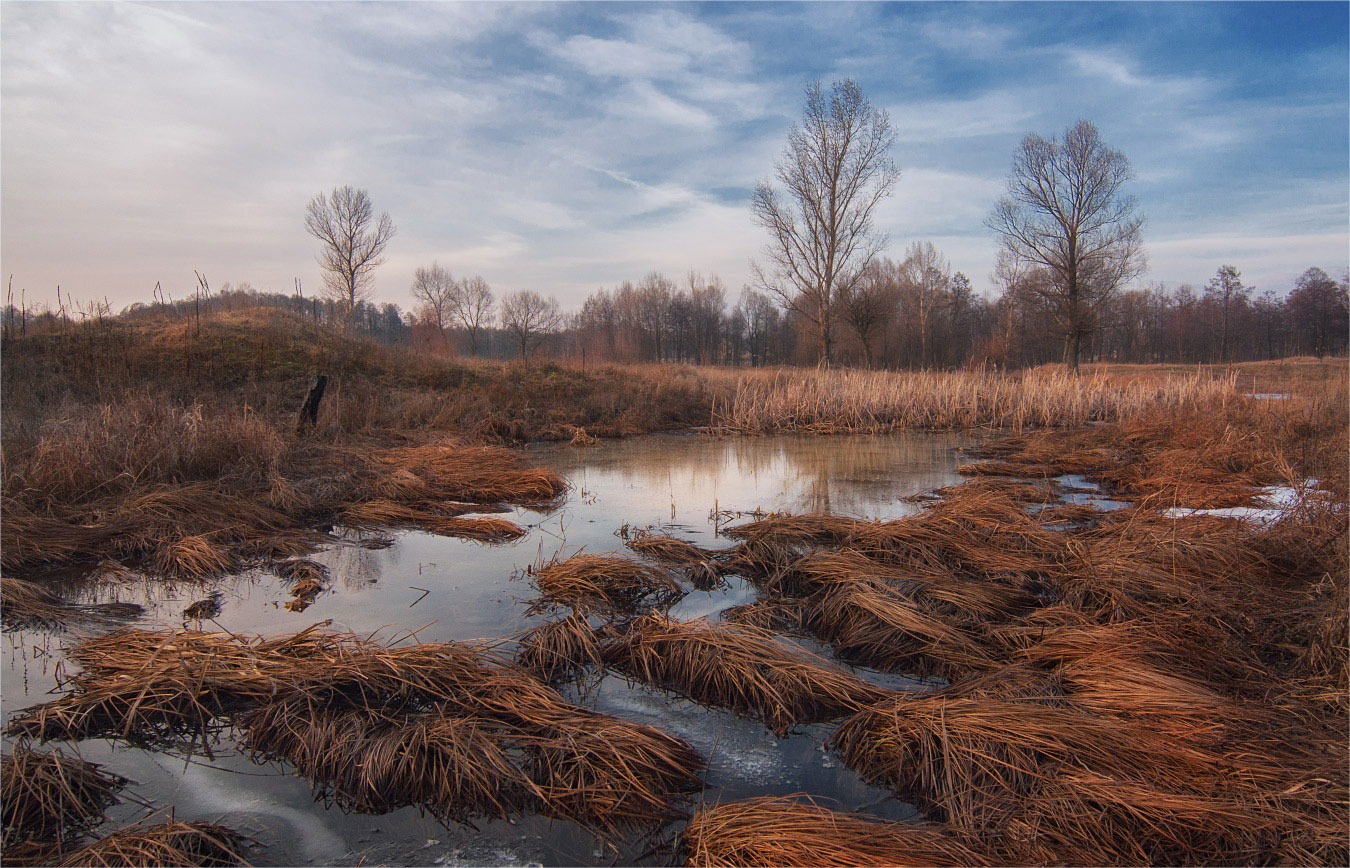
x=559, y=650
x=196, y=493
x=50, y=796
x=444, y=726
x=851, y=401
x=775, y=831
x=739, y=667
x=701, y=566
x=454, y=767
x=1039, y=783
x=587, y=581
x=173, y=843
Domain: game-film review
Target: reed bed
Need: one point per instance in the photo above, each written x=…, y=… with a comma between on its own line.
x=586, y=581
x=774, y=831
x=846, y=401
x=739, y=667
x=173, y=843
x=51, y=797
x=23, y=602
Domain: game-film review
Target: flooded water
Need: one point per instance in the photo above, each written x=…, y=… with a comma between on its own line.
x=688, y=485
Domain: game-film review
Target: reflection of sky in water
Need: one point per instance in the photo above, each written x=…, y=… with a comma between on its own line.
x=454, y=589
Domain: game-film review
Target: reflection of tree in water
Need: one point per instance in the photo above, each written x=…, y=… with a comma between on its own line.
x=359, y=560
x=847, y=474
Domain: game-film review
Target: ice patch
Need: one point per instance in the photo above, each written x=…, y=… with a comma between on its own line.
x=1273, y=503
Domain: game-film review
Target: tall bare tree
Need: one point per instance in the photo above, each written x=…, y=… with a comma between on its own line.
x=835, y=170
x=471, y=303
x=530, y=317
x=1226, y=291
x=435, y=288
x=353, y=240
x=925, y=278
x=1066, y=212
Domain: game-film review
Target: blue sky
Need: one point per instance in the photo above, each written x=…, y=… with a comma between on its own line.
x=564, y=147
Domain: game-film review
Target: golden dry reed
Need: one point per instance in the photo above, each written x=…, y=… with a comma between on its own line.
x=855, y=401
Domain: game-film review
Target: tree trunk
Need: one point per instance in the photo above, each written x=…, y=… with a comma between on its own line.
x=309, y=411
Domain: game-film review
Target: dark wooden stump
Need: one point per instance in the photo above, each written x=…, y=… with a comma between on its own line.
x=309, y=411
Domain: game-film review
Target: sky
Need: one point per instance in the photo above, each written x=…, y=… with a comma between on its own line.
x=562, y=147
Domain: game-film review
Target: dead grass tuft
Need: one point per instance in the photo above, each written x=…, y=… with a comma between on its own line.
x=739, y=667
x=174, y=843
x=50, y=796
x=791, y=830
x=585, y=581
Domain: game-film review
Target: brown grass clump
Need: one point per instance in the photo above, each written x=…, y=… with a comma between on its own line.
x=700, y=565
x=774, y=831
x=173, y=843
x=473, y=474
x=868, y=622
x=50, y=796
x=385, y=513
x=739, y=667
x=584, y=581
x=369, y=762
x=444, y=726
x=799, y=530
x=779, y=615
x=559, y=650
x=1042, y=783
x=196, y=493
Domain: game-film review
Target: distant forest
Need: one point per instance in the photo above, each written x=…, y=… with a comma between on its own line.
x=910, y=314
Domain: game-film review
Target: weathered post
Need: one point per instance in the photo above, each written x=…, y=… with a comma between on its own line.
x=309, y=411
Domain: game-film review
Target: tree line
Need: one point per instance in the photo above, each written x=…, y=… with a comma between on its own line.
x=824, y=290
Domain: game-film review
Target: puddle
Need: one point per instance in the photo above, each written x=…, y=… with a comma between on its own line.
x=454, y=589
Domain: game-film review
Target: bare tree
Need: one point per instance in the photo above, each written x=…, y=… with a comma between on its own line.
x=471, y=303
x=869, y=303
x=1225, y=290
x=1065, y=212
x=353, y=240
x=530, y=317
x=925, y=278
x=435, y=288
x=835, y=170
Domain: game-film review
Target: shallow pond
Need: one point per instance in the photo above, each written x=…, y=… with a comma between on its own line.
x=442, y=588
